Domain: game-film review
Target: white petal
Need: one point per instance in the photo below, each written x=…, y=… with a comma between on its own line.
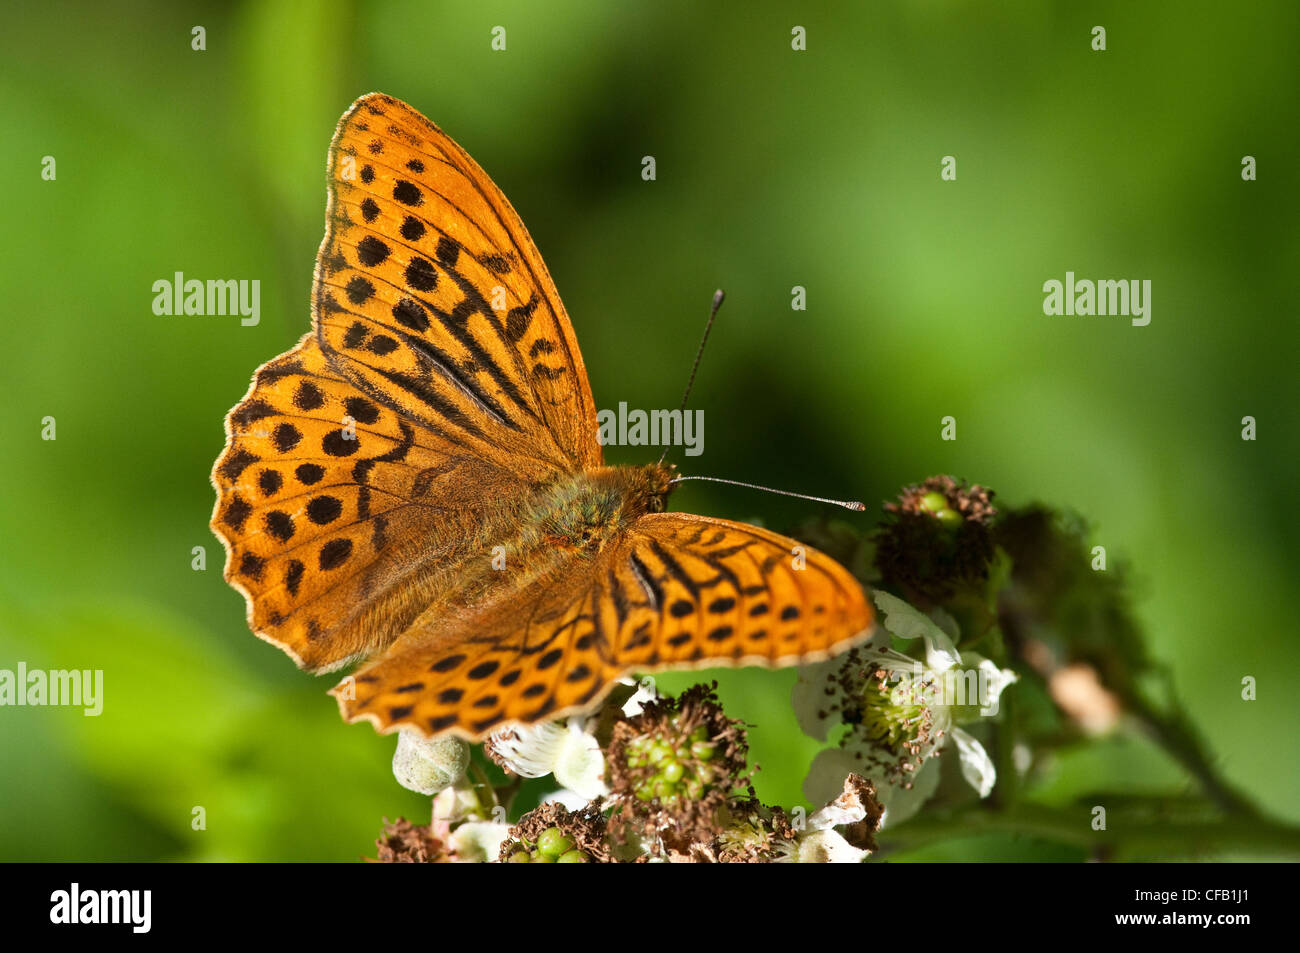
x=976, y=765
x=901, y=802
x=946, y=623
x=579, y=763
x=456, y=802
x=531, y=750
x=826, y=847
x=908, y=622
x=993, y=681
x=810, y=700
x=847, y=808
x=569, y=800
x=479, y=842
x=826, y=774
x=645, y=692
x=834, y=816
x=831, y=766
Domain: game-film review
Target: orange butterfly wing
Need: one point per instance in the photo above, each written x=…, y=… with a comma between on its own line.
x=675, y=591
x=335, y=542
x=454, y=404
x=431, y=297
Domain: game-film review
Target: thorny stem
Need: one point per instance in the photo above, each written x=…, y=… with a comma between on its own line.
x=1174, y=732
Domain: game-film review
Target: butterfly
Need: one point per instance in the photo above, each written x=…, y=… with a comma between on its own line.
x=419, y=485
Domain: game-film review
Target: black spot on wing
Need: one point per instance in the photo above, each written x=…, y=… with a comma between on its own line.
x=248, y=413
x=237, y=463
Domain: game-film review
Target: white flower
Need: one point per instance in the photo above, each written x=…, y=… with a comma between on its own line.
x=458, y=802
x=567, y=749
x=900, y=712
x=820, y=843
x=459, y=820
x=825, y=847
x=645, y=692
x=563, y=748
x=479, y=842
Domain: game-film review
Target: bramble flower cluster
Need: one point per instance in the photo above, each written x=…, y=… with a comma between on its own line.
x=662, y=779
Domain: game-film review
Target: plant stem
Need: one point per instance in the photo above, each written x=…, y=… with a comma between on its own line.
x=1174, y=732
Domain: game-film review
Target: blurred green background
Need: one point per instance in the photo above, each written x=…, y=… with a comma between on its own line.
x=775, y=168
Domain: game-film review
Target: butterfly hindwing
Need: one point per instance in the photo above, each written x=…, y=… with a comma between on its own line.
x=676, y=591
x=689, y=591
x=531, y=656
x=431, y=296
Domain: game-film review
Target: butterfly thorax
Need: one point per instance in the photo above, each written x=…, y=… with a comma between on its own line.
x=574, y=515
x=581, y=512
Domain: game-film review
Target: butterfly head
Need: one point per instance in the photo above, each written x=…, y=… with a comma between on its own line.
x=654, y=486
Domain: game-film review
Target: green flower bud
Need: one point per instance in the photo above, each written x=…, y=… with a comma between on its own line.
x=553, y=842
x=428, y=765
x=934, y=501
x=703, y=750
x=950, y=518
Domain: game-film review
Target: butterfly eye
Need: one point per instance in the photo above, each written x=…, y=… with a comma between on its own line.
x=656, y=504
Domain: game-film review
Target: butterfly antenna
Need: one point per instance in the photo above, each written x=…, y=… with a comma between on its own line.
x=847, y=504
x=718, y=297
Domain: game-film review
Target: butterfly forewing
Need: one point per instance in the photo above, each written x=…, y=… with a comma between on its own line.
x=431, y=296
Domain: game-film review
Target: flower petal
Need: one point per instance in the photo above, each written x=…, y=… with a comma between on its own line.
x=826, y=774
x=478, y=842
x=530, y=750
x=579, y=762
x=908, y=622
x=456, y=803
x=645, y=692
x=569, y=800
x=901, y=802
x=853, y=804
x=825, y=847
x=992, y=681
x=810, y=699
x=976, y=765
